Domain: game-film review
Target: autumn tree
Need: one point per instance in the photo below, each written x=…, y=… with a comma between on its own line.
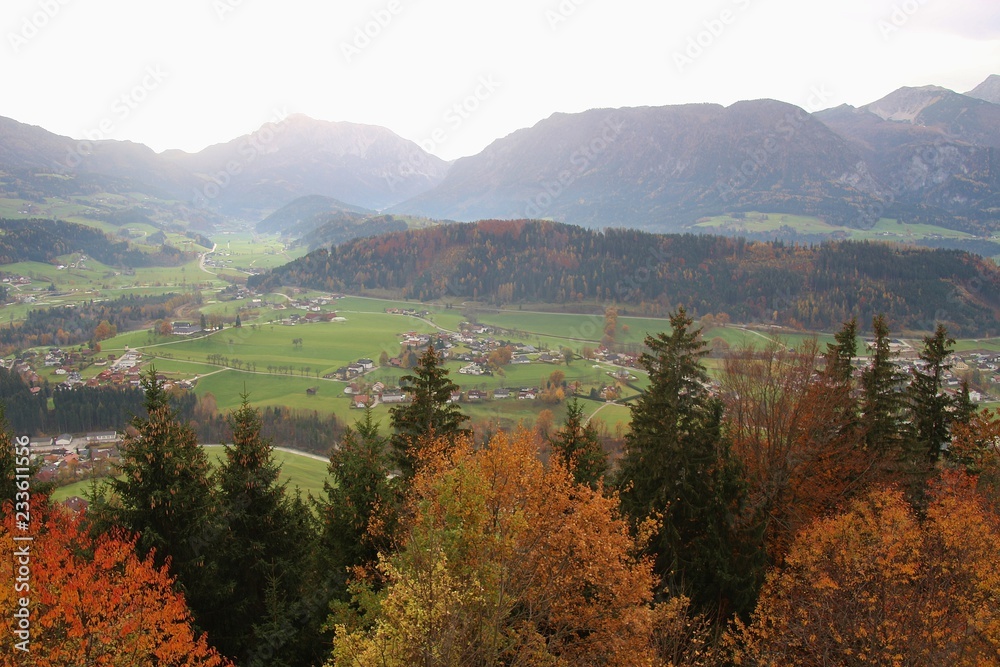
x=876, y=585
x=678, y=465
x=578, y=448
x=610, y=326
x=975, y=448
x=8, y=462
x=500, y=357
x=505, y=562
x=428, y=413
x=93, y=601
x=105, y=330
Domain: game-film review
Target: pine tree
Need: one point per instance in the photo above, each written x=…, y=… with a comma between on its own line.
x=576, y=445
x=841, y=354
x=162, y=492
x=882, y=400
x=930, y=407
x=429, y=412
x=678, y=465
x=260, y=527
x=361, y=493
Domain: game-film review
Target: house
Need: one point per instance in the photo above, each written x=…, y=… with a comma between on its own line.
x=366, y=364
x=362, y=402
x=394, y=396
x=311, y=391
x=102, y=438
x=527, y=394
x=455, y=397
x=471, y=369
x=475, y=396
x=64, y=440
x=500, y=393
x=76, y=504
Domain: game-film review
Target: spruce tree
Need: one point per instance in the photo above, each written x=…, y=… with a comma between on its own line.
x=678, y=465
x=359, y=492
x=163, y=493
x=840, y=354
x=429, y=413
x=930, y=407
x=576, y=445
x=264, y=545
x=882, y=399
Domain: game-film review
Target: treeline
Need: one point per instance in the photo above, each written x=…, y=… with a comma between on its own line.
x=813, y=287
x=810, y=512
x=83, y=409
x=38, y=240
x=72, y=325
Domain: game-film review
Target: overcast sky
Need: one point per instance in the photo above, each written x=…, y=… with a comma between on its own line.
x=190, y=73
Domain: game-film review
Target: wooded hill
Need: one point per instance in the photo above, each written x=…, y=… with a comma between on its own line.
x=512, y=262
x=36, y=240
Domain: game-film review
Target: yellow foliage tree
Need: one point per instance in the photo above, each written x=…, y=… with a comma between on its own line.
x=506, y=562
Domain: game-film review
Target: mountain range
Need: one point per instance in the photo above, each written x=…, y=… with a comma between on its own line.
x=923, y=154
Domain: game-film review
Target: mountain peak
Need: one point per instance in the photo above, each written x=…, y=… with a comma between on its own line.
x=988, y=90
x=906, y=104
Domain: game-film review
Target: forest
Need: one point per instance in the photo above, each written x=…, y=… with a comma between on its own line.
x=537, y=262
x=90, y=321
x=37, y=240
x=809, y=509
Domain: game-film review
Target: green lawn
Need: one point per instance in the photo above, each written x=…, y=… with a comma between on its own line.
x=298, y=470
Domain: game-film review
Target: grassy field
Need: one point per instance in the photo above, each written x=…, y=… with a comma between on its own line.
x=298, y=470
x=886, y=229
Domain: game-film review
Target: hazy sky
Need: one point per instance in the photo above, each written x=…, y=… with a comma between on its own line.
x=455, y=75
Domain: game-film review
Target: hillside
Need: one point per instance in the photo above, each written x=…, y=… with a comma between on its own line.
x=37, y=240
x=510, y=262
x=659, y=168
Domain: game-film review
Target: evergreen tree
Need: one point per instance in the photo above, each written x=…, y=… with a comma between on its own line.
x=360, y=491
x=428, y=414
x=930, y=407
x=882, y=401
x=841, y=354
x=162, y=492
x=577, y=446
x=265, y=544
x=965, y=409
x=677, y=464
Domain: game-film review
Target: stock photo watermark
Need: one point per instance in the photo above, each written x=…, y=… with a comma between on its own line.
x=562, y=12
x=711, y=30
x=898, y=18
x=23, y=538
x=580, y=160
x=783, y=132
x=365, y=34
x=33, y=24
x=452, y=119
x=123, y=106
x=249, y=150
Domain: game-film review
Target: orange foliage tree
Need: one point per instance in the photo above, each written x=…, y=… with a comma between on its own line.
x=877, y=586
x=94, y=602
x=504, y=561
x=794, y=430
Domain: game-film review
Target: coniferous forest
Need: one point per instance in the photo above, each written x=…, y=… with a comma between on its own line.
x=806, y=509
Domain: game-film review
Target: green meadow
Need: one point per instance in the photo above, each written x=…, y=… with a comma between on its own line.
x=297, y=470
x=886, y=229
